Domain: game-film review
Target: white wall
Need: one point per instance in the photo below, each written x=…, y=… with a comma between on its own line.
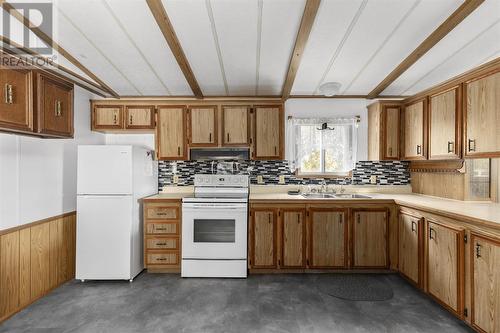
x=144, y=140
x=38, y=176
x=331, y=108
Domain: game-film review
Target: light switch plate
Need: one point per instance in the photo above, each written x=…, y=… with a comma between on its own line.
x=281, y=179
x=260, y=180
x=373, y=179
x=175, y=179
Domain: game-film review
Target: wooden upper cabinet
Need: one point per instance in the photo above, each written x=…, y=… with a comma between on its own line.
x=139, y=117
x=410, y=246
x=235, y=125
x=263, y=239
x=16, y=107
x=54, y=103
x=370, y=238
x=171, y=133
x=414, y=131
x=268, y=132
x=482, y=116
x=327, y=238
x=293, y=238
x=107, y=117
x=383, y=131
x=203, y=126
x=445, y=262
x=444, y=124
x=485, y=283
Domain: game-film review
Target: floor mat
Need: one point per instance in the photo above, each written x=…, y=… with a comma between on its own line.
x=355, y=287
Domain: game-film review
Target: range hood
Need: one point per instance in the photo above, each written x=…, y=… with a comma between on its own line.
x=220, y=154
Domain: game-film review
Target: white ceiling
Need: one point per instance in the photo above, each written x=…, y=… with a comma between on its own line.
x=243, y=47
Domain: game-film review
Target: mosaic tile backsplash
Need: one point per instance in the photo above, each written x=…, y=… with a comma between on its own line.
x=387, y=172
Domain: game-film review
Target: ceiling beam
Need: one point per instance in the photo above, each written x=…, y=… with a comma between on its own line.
x=50, y=42
x=310, y=11
x=448, y=25
x=167, y=29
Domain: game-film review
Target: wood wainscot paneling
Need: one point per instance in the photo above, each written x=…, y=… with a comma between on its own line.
x=34, y=259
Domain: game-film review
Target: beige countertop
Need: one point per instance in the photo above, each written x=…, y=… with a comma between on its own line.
x=475, y=210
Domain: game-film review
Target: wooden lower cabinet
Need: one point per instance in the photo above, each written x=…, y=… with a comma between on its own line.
x=263, y=229
x=485, y=283
x=327, y=238
x=370, y=236
x=410, y=246
x=445, y=265
x=293, y=238
x=162, y=235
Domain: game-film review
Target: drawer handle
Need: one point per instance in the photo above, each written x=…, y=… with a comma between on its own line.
x=162, y=229
x=275, y=151
x=178, y=151
x=161, y=259
x=472, y=145
x=161, y=214
x=8, y=94
x=58, y=109
x=161, y=244
x=478, y=250
x=210, y=137
x=419, y=149
x=450, y=146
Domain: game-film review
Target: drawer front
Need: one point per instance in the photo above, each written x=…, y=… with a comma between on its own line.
x=168, y=228
x=165, y=243
x=162, y=212
x=163, y=258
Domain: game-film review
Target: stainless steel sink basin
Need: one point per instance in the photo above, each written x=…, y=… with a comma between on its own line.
x=352, y=196
x=318, y=195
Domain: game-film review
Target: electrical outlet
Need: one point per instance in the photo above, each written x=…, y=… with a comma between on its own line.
x=260, y=180
x=373, y=179
x=281, y=179
x=175, y=179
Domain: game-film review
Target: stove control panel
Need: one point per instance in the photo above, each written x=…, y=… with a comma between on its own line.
x=221, y=180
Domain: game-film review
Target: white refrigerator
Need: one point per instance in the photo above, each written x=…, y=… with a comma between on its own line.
x=111, y=180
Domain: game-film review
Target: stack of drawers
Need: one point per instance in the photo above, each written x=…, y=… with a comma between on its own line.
x=162, y=228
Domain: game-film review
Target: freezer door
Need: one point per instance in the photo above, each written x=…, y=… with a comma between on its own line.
x=103, y=237
x=104, y=170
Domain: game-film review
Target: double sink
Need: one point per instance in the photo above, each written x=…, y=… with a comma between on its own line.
x=334, y=196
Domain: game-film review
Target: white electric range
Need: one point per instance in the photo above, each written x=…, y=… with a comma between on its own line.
x=214, y=227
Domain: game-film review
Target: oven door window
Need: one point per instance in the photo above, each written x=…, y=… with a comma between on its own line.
x=214, y=231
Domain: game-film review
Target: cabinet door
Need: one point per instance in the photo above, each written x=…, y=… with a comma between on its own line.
x=263, y=238
x=203, y=126
x=374, y=132
x=15, y=111
x=391, y=132
x=414, y=131
x=409, y=247
x=9, y=273
x=293, y=238
x=54, y=107
x=171, y=133
x=445, y=265
x=235, y=127
x=327, y=238
x=444, y=120
x=268, y=132
x=139, y=117
x=107, y=117
x=485, y=279
x=483, y=116
x=370, y=237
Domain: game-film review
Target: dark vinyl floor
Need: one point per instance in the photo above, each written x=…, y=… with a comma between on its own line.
x=261, y=303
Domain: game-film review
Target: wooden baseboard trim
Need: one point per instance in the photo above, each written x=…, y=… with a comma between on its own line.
x=31, y=224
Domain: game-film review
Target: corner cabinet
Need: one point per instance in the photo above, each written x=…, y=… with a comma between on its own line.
x=171, y=133
x=485, y=283
x=445, y=265
x=370, y=238
x=482, y=116
x=445, y=124
x=414, y=124
x=268, y=132
x=383, y=131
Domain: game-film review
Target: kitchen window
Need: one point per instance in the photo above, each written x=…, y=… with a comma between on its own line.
x=322, y=147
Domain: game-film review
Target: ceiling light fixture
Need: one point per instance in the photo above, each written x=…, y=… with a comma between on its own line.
x=329, y=89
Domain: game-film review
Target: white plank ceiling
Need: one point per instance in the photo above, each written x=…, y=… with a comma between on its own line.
x=243, y=47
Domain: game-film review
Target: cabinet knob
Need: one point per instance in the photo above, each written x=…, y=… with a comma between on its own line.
x=58, y=108
x=472, y=145
x=8, y=94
